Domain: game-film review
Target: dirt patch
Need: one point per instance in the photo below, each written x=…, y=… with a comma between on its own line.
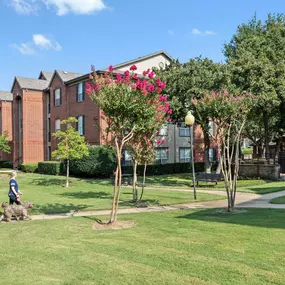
x=120, y=225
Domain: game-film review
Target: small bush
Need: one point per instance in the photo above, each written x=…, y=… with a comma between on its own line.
x=50, y=167
x=100, y=163
x=30, y=167
x=6, y=164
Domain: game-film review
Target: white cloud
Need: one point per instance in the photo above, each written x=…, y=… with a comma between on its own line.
x=62, y=7
x=198, y=32
x=24, y=48
x=210, y=33
x=39, y=42
x=171, y=32
x=44, y=43
x=24, y=6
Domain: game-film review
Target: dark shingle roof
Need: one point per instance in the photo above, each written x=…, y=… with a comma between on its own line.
x=47, y=75
x=31, y=83
x=66, y=76
x=6, y=96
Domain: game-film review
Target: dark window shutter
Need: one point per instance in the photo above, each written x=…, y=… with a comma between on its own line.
x=83, y=123
x=77, y=90
x=54, y=97
x=60, y=96
x=83, y=91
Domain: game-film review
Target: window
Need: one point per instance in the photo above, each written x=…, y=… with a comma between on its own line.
x=184, y=130
x=80, y=94
x=185, y=154
x=161, y=156
x=163, y=131
x=57, y=125
x=211, y=128
x=57, y=97
x=49, y=153
x=127, y=158
x=48, y=130
x=212, y=156
x=81, y=125
x=48, y=103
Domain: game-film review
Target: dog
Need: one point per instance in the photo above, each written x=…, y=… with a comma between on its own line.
x=18, y=211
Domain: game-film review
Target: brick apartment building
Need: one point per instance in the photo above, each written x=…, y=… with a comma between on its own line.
x=6, y=99
x=39, y=105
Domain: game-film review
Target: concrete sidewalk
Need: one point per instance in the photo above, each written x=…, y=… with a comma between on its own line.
x=243, y=200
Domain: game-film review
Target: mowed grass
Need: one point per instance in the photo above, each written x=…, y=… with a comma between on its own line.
x=49, y=195
x=258, y=186
x=197, y=247
x=279, y=200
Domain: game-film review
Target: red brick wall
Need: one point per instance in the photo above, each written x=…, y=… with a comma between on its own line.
x=17, y=93
x=71, y=108
x=33, y=126
x=6, y=125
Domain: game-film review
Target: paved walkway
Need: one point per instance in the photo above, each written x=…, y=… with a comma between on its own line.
x=243, y=200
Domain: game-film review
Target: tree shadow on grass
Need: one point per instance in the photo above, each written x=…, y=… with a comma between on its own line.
x=267, y=218
x=101, y=182
x=140, y=204
x=87, y=195
x=49, y=182
x=266, y=189
x=57, y=208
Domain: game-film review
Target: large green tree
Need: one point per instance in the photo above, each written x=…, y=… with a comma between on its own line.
x=255, y=55
x=71, y=144
x=4, y=143
x=193, y=80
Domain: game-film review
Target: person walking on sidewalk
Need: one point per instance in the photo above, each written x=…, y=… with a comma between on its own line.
x=14, y=193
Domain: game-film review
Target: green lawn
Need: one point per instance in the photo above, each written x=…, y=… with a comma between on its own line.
x=197, y=247
x=279, y=200
x=49, y=195
x=258, y=186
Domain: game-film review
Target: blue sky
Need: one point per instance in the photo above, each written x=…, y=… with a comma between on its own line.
x=71, y=35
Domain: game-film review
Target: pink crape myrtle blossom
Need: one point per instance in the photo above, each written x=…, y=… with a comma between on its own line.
x=111, y=68
x=133, y=68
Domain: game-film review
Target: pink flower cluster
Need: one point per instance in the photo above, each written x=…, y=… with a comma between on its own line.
x=159, y=142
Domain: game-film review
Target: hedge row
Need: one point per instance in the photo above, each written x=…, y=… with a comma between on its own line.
x=30, y=167
x=6, y=164
x=160, y=169
x=51, y=167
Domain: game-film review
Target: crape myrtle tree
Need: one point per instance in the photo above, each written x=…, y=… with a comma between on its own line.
x=193, y=80
x=255, y=55
x=230, y=114
x=4, y=143
x=71, y=144
x=129, y=103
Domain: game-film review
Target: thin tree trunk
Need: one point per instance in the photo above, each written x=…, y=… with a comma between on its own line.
x=67, y=173
x=135, y=179
x=266, y=135
x=207, y=145
x=143, y=185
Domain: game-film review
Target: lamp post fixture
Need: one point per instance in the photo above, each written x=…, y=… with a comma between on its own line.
x=189, y=121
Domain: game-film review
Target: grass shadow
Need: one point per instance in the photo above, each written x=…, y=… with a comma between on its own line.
x=49, y=182
x=57, y=208
x=87, y=195
x=265, y=190
x=140, y=204
x=267, y=218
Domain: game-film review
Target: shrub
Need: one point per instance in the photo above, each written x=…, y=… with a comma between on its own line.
x=171, y=168
x=50, y=167
x=30, y=167
x=100, y=163
x=6, y=164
